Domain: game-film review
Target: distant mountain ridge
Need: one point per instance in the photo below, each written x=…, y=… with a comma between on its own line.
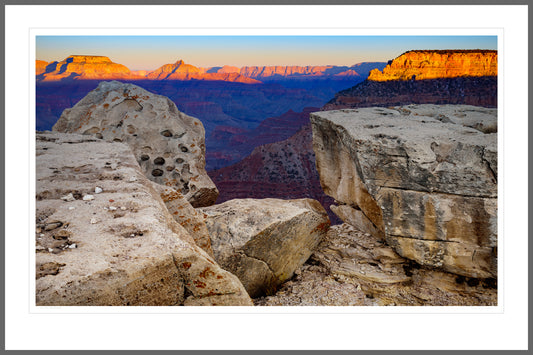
x=88, y=67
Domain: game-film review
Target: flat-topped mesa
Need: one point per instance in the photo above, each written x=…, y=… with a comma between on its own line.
x=85, y=67
x=424, y=177
x=88, y=59
x=168, y=144
x=438, y=64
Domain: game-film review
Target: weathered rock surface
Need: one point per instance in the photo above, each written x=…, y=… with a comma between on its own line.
x=169, y=145
x=186, y=215
x=105, y=238
x=423, y=176
x=434, y=64
x=352, y=268
x=264, y=241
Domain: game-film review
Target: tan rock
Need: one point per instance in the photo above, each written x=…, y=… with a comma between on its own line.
x=264, y=241
x=168, y=145
x=352, y=268
x=424, y=176
x=186, y=215
x=136, y=253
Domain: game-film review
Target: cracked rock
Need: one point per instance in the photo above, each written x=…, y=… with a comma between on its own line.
x=424, y=177
x=264, y=241
x=139, y=256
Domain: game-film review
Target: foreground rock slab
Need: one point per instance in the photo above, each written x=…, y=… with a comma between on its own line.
x=424, y=177
x=353, y=268
x=105, y=238
x=168, y=144
x=264, y=241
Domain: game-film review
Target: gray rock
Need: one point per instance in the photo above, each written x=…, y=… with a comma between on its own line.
x=168, y=145
x=422, y=176
x=264, y=241
x=134, y=256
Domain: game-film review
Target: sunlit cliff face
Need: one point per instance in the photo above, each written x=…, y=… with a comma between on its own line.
x=419, y=65
x=85, y=67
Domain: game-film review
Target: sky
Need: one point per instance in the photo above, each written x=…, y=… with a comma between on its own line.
x=151, y=52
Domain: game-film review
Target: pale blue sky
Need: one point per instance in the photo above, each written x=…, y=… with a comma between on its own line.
x=150, y=52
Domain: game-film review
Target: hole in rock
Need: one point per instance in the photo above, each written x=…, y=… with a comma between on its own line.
x=166, y=133
x=159, y=161
x=157, y=172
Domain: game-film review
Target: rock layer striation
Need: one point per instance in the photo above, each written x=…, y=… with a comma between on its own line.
x=84, y=67
x=437, y=64
x=423, y=177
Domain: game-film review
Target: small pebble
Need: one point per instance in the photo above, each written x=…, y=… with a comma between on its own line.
x=133, y=178
x=112, y=208
x=123, y=208
x=41, y=235
x=72, y=246
x=94, y=221
x=50, y=250
x=97, y=190
x=68, y=197
x=71, y=208
x=88, y=197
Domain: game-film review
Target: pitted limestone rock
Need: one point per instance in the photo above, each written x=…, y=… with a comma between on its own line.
x=168, y=145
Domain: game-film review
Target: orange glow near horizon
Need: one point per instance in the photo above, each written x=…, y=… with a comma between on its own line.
x=151, y=52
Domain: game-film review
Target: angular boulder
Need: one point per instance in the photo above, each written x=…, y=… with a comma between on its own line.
x=264, y=241
x=168, y=145
x=105, y=238
x=424, y=177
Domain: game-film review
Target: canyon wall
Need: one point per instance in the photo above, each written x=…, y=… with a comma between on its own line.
x=85, y=67
x=438, y=64
x=283, y=170
x=427, y=77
